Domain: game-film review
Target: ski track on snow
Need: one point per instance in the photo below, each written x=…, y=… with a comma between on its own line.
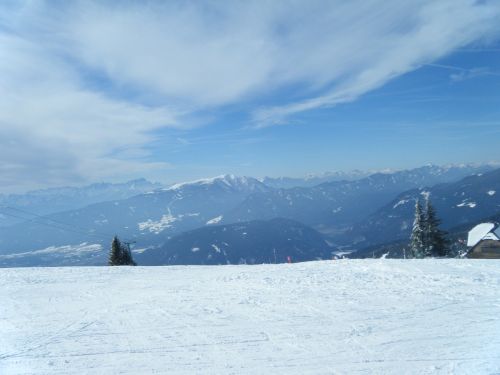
x=332, y=317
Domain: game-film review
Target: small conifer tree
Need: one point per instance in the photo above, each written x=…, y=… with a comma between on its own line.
x=127, y=259
x=417, y=240
x=115, y=254
x=120, y=255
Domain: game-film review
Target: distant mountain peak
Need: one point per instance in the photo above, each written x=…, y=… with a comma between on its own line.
x=225, y=180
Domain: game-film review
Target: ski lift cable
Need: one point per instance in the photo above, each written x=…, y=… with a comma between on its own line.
x=58, y=222
x=35, y=221
x=84, y=230
x=54, y=226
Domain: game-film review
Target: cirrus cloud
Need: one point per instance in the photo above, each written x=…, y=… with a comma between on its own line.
x=89, y=83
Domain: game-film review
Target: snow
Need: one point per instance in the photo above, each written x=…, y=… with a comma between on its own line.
x=332, y=317
x=215, y=220
x=401, y=202
x=425, y=194
x=195, y=249
x=477, y=233
x=165, y=222
x=66, y=251
x=140, y=250
x=229, y=180
x=101, y=221
x=158, y=226
x=491, y=192
x=467, y=204
x=202, y=181
x=342, y=253
x=491, y=236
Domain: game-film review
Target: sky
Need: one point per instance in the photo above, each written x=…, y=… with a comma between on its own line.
x=172, y=91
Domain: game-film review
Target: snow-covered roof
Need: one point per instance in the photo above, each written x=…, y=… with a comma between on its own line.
x=492, y=236
x=483, y=231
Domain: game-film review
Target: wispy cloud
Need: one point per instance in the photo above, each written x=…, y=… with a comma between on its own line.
x=85, y=85
x=462, y=74
x=389, y=49
x=55, y=131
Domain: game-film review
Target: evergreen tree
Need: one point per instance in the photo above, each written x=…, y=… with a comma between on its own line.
x=435, y=243
x=120, y=255
x=127, y=259
x=417, y=240
x=115, y=255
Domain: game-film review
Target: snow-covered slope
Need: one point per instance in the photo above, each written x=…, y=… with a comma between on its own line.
x=332, y=317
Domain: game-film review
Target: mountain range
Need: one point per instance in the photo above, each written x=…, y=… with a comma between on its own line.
x=165, y=221
x=456, y=236
x=53, y=200
x=149, y=218
x=334, y=207
x=315, y=179
x=253, y=242
x=468, y=200
x=441, y=173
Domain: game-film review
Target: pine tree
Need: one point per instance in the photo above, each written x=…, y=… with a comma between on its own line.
x=417, y=240
x=120, y=255
x=435, y=243
x=115, y=255
x=127, y=259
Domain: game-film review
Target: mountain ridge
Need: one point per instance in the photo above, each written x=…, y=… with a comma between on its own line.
x=259, y=241
x=152, y=218
x=457, y=203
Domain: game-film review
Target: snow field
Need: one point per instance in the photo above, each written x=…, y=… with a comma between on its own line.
x=332, y=317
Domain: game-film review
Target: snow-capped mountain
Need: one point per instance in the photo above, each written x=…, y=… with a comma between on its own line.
x=252, y=242
x=435, y=174
x=154, y=217
x=47, y=201
x=314, y=179
x=228, y=182
x=149, y=218
x=330, y=207
x=466, y=201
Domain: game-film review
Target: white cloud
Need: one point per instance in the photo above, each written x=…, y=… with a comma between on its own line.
x=462, y=74
x=85, y=84
x=53, y=131
x=213, y=53
x=433, y=30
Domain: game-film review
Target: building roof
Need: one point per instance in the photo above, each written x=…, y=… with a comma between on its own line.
x=483, y=231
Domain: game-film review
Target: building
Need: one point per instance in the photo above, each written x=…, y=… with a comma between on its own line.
x=483, y=241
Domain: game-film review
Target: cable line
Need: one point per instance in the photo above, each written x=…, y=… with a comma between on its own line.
x=68, y=229
x=58, y=222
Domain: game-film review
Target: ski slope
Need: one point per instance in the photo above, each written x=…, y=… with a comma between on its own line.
x=333, y=317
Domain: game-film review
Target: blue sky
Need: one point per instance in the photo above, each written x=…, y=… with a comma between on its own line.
x=101, y=91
